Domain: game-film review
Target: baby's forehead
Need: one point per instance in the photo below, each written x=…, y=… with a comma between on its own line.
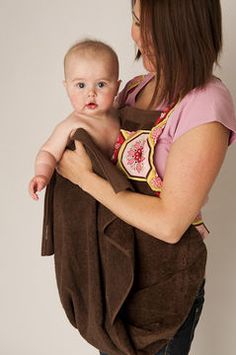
x=99, y=59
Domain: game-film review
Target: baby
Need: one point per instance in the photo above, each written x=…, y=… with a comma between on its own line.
x=91, y=80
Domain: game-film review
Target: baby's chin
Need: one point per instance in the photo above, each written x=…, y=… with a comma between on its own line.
x=89, y=109
x=92, y=110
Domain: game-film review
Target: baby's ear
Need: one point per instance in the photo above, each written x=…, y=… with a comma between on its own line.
x=64, y=84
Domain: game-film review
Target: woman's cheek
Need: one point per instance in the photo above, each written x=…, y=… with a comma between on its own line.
x=135, y=34
x=132, y=33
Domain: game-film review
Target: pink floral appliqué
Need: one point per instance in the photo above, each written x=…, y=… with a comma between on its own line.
x=155, y=133
x=156, y=182
x=135, y=156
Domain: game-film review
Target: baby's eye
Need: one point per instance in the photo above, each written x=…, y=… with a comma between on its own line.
x=101, y=84
x=80, y=85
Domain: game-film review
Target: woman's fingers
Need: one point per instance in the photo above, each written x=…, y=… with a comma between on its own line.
x=79, y=148
x=75, y=165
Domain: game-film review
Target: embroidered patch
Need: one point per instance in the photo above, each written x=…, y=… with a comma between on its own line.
x=135, y=156
x=155, y=133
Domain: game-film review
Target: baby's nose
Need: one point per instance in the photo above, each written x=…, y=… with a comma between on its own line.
x=91, y=93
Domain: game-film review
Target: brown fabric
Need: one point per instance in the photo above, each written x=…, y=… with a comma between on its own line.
x=124, y=290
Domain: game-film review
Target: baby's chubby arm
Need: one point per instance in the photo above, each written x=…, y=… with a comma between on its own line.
x=103, y=129
x=49, y=154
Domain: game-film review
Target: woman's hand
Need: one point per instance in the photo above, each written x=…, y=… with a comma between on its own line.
x=75, y=165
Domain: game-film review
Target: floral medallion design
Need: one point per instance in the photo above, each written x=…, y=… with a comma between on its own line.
x=135, y=157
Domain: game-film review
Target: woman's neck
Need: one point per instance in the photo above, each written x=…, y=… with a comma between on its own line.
x=145, y=95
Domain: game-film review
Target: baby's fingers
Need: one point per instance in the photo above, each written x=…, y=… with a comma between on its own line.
x=33, y=189
x=40, y=186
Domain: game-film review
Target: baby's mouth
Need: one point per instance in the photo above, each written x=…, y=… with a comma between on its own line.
x=91, y=106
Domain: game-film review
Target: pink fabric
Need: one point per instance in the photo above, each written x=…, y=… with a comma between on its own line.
x=213, y=103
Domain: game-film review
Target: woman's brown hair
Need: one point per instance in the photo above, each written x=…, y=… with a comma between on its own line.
x=185, y=38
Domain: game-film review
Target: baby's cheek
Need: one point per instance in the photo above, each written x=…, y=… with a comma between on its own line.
x=73, y=98
x=75, y=101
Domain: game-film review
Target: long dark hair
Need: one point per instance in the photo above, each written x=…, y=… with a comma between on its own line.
x=184, y=40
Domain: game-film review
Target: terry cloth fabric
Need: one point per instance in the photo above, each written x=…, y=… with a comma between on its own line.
x=124, y=290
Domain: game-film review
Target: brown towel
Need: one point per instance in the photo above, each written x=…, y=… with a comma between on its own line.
x=124, y=290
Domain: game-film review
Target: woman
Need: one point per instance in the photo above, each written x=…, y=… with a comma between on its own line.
x=179, y=42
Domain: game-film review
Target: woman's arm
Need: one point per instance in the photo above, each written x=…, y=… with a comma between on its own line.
x=193, y=164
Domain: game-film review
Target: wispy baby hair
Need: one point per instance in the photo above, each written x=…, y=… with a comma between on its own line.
x=94, y=47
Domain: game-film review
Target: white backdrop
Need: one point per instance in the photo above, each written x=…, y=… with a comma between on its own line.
x=34, y=37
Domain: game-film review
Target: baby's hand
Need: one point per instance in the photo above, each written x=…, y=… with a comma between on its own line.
x=36, y=185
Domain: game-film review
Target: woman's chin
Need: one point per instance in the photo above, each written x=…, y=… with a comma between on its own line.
x=148, y=66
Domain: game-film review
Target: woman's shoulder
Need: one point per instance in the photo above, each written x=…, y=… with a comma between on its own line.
x=213, y=102
x=214, y=92
x=128, y=93
x=135, y=81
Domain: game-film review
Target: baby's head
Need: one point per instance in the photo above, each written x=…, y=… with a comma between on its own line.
x=91, y=76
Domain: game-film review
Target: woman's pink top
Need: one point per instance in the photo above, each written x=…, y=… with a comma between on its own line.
x=212, y=103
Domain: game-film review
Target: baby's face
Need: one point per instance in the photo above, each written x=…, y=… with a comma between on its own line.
x=90, y=83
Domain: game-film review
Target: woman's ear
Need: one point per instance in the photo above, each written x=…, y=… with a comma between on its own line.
x=118, y=86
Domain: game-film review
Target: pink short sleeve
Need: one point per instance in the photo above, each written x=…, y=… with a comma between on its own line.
x=213, y=103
